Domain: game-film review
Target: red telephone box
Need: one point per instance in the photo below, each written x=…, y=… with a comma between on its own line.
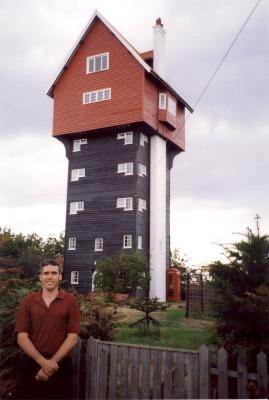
x=173, y=292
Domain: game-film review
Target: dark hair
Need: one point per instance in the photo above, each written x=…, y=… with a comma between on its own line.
x=50, y=262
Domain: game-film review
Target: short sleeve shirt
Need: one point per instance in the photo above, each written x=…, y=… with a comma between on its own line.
x=48, y=326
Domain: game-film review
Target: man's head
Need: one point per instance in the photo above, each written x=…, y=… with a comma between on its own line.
x=50, y=274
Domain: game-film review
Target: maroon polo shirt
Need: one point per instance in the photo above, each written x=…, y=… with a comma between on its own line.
x=48, y=326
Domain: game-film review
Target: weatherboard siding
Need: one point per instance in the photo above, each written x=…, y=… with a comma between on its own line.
x=125, y=77
x=99, y=190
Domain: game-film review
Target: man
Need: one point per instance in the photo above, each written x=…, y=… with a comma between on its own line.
x=47, y=327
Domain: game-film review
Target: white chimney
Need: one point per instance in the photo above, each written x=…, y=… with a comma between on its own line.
x=159, y=48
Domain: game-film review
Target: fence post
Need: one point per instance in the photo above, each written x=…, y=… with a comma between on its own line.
x=91, y=369
x=242, y=380
x=204, y=372
x=222, y=374
x=262, y=375
x=188, y=295
x=76, y=370
x=201, y=293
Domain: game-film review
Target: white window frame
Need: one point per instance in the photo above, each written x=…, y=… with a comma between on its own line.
x=139, y=242
x=76, y=206
x=125, y=202
x=127, y=241
x=74, y=277
x=77, y=173
x=98, y=244
x=77, y=144
x=162, y=101
x=142, y=204
x=126, y=168
x=172, y=106
x=143, y=139
x=127, y=136
x=96, y=96
x=93, y=58
x=142, y=170
x=72, y=243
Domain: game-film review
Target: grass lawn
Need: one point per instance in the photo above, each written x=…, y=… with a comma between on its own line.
x=176, y=330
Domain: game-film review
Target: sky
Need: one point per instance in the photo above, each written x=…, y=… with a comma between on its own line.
x=218, y=184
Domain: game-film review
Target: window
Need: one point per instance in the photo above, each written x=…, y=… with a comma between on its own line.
x=99, y=244
x=162, y=101
x=77, y=143
x=139, y=242
x=76, y=206
x=77, y=173
x=126, y=168
x=99, y=62
x=125, y=202
x=127, y=136
x=72, y=243
x=142, y=204
x=142, y=170
x=74, y=277
x=127, y=241
x=172, y=106
x=97, y=95
x=143, y=139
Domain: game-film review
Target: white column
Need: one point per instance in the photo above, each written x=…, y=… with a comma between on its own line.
x=158, y=217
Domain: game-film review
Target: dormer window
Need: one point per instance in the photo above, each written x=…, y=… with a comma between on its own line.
x=96, y=63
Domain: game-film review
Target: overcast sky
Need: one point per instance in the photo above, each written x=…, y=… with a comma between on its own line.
x=218, y=185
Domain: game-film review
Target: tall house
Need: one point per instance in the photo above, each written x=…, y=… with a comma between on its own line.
x=121, y=124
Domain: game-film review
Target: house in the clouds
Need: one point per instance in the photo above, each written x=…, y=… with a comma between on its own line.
x=121, y=124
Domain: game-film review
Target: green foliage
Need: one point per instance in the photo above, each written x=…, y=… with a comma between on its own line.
x=27, y=251
x=122, y=273
x=148, y=325
x=98, y=318
x=12, y=291
x=243, y=286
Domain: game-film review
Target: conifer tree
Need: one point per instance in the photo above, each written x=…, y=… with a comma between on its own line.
x=243, y=284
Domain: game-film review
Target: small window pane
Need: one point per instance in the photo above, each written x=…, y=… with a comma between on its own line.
x=100, y=95
x=73, y=208
x=139, y=242
x=80, y=205
x=91, y=65
x=107, y=95
x=99, y=244
x=104, y=61
x=129, y=138
x=129, y=203
x=74, y=175
x=72, y=244
x=86, y=98
x=129, y=168
x=74, y=277
x=97, y=63
x=81, y=172
x=120, y=202
x=93, y=97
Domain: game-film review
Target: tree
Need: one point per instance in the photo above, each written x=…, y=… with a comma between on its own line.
x=26, y=251
x=148, y=325
x=122, y=273
x=243, y=285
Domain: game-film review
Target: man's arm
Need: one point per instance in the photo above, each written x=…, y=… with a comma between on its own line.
x=65, y=348
x=48, y=366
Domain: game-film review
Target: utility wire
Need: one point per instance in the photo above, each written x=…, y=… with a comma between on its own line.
x=214, y=73
x=225, y=55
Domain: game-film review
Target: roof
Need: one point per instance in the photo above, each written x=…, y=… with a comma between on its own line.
x=129, y=47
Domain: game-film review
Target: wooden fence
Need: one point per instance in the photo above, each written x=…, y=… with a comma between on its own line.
x=124, y=371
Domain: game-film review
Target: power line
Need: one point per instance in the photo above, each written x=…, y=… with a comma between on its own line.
x=225, y=55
